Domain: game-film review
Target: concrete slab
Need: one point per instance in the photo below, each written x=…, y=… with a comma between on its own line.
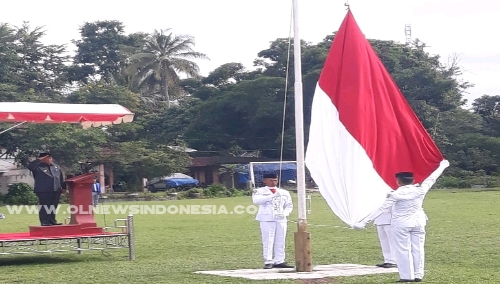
x=319, y=271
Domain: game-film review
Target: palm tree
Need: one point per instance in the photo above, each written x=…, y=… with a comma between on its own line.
x=157, y=66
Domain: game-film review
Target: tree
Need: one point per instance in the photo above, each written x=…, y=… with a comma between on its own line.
x=249, y=115
x=43, y=66
x=9, y=62
x=229, y=73
x=229, y=169
x=29, y=71
x=138, y=160
x=97, y=93
x=163, y=57
x=487, y=106
x=171, y=124
x=69, y=144
x=102, y=51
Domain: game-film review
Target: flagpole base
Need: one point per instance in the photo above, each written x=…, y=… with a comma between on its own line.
x=303, y=256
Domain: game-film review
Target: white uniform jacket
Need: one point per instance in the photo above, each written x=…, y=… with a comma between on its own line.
x=272, y=204
x=384, y=218
x=406, y=203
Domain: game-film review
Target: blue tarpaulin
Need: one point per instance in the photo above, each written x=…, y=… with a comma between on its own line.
x=288, y=172
x=176, y=182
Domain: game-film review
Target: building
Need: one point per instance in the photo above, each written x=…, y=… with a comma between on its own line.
x=207, y=170
x=10, y=173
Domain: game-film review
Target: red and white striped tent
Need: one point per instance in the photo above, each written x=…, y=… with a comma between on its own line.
x=87, y=115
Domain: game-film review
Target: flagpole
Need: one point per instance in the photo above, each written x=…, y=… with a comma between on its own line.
x=303, y=257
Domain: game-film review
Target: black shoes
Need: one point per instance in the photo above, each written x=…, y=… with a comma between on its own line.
x=409, y=280
x=52, y=223
x=387, y=265
x=282, y=265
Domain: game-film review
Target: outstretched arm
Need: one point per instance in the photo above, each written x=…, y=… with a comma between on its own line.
x=388, y=203
x=431, y=180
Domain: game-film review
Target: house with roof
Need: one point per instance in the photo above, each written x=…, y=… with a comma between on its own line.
x=11, y=172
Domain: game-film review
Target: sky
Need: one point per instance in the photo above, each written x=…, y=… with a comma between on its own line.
x=236, y=30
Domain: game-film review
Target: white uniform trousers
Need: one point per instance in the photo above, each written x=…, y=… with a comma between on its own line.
x=387, y=243
x=410, y=254
x=273, y=240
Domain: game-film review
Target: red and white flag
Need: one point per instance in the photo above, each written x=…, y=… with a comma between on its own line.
x=362, y=129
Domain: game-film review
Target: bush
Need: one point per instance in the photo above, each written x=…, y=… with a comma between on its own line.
x=468, y=181
x=236, y=192
x=214, y=191
x=190, y=193
x=20, y=194
x=64, y=198
x=452, y=182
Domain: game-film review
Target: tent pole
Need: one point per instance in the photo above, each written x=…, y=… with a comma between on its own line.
x=12, y=127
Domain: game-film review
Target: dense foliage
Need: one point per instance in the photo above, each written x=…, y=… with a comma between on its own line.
x=230, y=111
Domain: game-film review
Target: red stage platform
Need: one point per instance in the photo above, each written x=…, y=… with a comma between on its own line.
x=13, y=237
x=82, y=232
x=27, y=243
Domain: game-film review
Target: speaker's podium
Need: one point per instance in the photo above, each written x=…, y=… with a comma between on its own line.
x=82, y=219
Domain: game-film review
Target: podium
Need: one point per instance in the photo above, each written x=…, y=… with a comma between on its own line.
x=82, y=219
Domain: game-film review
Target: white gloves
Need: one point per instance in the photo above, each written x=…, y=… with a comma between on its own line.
x=444, y=163
x=279, y=216
x=359, y=226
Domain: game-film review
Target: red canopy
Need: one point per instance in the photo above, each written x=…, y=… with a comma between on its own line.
x=85, y=114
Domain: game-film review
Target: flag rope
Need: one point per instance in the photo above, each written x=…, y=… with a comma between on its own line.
x=286, y=91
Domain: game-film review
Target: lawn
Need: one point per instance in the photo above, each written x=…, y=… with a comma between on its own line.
x=463, y=245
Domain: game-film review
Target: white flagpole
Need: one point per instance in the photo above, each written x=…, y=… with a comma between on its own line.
x=303, y=259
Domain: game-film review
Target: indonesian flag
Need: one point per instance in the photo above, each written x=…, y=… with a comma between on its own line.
x=362, y=130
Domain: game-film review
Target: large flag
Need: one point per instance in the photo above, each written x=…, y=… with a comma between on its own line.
x=362, y=129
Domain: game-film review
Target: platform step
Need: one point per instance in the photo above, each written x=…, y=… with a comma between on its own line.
x=92, y=230
x=62, y=230
x=42, y=231
x=88, y=225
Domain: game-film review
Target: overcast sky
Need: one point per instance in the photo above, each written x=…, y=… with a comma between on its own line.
x=236, y=30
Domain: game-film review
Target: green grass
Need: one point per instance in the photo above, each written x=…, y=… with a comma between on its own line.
x=463, y=245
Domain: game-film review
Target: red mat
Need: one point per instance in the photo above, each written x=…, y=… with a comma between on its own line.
x=27, y=236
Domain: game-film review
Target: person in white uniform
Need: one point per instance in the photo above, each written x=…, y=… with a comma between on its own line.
x=408, y=222
x=275, y=205
x=384, y=230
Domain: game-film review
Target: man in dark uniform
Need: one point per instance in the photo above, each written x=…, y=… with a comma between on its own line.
x=49, y=181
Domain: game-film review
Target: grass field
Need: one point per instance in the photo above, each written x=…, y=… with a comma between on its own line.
x=463, y=245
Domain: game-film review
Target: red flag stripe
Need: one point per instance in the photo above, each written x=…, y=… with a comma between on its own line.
x=373, y=109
